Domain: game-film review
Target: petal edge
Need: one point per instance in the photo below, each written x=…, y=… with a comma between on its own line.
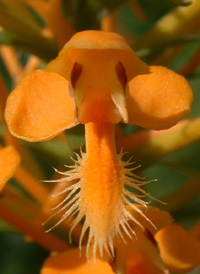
x=179, y=250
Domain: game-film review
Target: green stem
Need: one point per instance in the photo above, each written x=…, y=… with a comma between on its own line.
x=181, y=195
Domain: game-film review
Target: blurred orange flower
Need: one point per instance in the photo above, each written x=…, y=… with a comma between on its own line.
x=169, y=248
x=9, y=161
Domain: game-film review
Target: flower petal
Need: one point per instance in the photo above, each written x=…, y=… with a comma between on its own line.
x=158, y=100
x=99, y=91
x=84, y=46
x=179, y=250
x=9, y=160
x=40, y=107
x=139, y=255
x=70, y=262
x=159, y=218
x=196, y=230
x=143, y=265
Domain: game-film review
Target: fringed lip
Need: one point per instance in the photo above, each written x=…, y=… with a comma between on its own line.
x=100, y=192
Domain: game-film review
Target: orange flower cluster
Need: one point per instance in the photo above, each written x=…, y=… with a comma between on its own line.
x=9, y=157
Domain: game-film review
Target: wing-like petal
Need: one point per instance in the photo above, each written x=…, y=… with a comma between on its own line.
x=179, y=250
x=40, y=107
x=158, y=100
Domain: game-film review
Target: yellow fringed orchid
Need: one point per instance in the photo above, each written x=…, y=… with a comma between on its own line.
x=99, y=81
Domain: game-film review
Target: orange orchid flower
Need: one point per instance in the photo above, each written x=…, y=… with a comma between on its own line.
x=153, y=252
x=9, y=157
x=9, y=161
x=99, y=81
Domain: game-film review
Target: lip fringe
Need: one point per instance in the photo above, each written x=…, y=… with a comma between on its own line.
x=71, y=205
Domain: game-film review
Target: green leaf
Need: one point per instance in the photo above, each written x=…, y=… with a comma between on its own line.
x=149, y=54
x=16, y=25
x=183, y=3
x=188, y=214
x=17, y=256
x=5, y=38
x=5, y=227
x=76, y=137
x=87, y=14
x=20, y=10
x=155, y=149
x=54, y=151
x=25, y=32
x=42, y=47
x=112, y=5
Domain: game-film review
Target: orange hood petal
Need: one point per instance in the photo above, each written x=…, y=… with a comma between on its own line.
x=158, y=100
x=98, y=42
x=179, y=250
x=99, y=91
x=40, y=107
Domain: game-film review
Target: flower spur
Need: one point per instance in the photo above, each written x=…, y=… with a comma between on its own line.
x=99, y=81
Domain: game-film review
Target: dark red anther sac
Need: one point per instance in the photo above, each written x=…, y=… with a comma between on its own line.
x=75, y=74
x=121, y=74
